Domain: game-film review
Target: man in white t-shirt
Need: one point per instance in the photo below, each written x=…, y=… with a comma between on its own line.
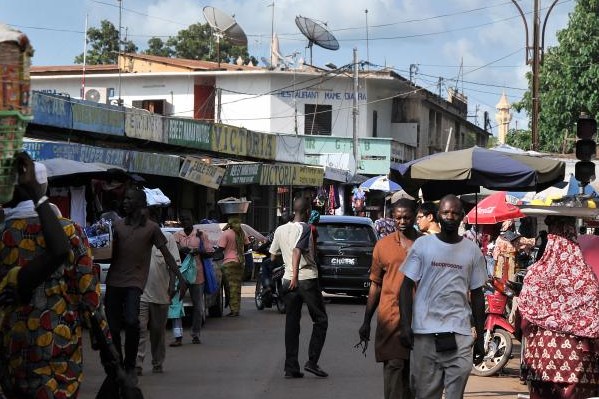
x=293, y=241
x=447, y=273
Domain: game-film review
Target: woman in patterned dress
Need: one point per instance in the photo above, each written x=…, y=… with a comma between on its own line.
x=559, y=305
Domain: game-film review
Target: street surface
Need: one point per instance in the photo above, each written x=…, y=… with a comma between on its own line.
x=243, y=358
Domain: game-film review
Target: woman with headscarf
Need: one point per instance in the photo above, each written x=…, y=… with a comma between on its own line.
x=559, y=305
x=233, y=242
x=506, y=248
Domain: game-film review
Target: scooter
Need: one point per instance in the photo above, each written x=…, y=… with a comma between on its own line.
x=499, y=325
x=268, y=289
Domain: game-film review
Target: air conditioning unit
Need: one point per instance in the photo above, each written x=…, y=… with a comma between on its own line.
x=96, y=94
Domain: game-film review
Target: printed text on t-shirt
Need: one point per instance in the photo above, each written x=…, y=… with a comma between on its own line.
x=449, y=265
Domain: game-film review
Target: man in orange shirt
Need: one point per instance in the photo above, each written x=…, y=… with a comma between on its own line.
x=386, y=279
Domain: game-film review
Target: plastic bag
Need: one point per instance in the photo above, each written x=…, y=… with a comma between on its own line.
x=211, y=283
x=188, y=269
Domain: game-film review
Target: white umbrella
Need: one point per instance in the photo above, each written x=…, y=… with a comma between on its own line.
x=63, y=167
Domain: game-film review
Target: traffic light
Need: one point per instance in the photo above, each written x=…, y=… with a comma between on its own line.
x=586, y=129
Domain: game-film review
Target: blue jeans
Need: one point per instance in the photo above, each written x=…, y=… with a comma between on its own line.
x=122, y=313
x=307, y=291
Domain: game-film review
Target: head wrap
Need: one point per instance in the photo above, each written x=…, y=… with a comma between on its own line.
x=561, y=292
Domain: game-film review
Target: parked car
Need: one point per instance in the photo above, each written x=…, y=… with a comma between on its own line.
x=344, y=254
x=214, y=304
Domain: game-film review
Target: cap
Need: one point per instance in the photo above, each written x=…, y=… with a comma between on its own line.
x=41, y=173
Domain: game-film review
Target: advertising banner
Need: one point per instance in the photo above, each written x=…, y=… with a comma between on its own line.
x=261, y=145
x=199, y=172
x=98, y=118
x=51, y=110
x=228, y=139
x=141, y=124
x=154, y=164
x=188, y=133
x=290, y=148
x=240, y=174
x=291, y=175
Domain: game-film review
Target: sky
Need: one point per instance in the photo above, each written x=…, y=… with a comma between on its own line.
x=477, y=46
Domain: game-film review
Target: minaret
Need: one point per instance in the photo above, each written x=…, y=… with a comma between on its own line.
x=503, y=118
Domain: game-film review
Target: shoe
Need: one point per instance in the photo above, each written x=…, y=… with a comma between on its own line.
x=196, y=340
x=314, y=369
x=176, y=342
x=233, y=314
x=139, y=371
x=157, y=369
x=294, y=374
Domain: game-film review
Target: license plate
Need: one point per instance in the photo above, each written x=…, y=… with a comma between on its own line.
x=343, y=261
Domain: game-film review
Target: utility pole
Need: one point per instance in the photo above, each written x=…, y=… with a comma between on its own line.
x=120, y=43
x=355, y=110
x=534, y=57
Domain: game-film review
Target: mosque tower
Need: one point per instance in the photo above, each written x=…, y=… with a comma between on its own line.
x=503, y=118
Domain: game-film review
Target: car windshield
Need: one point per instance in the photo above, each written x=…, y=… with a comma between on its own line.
x=345, y=234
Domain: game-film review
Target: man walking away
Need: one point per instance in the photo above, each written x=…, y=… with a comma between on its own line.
x=448, y=270
x=154, y=304
x=386, y=279
x=300, y=282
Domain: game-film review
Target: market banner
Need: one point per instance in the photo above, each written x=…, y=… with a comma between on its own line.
x=290, y=148
x=51, y=110
x=261, y=145
x=98, y=118
x=154, y=164
x=200, y=172
x=142, y=124
x=291, y=175
x=228, y=139
x=188, y=133
x=241, y=174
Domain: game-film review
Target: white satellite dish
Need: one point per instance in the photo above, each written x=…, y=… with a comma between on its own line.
x=225, y=27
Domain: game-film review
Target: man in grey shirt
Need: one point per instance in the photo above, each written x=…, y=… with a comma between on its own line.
x=436, y=320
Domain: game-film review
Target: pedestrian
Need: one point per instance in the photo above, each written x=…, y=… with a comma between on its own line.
x=559, y=305
x=189, y=240
x=154, y=304
x=47, y=288
x=385, y=283
x=233, y=243
x=441, y=293
x=133, y=239
x=426, y=218
x=384, y=226
x=507, y=246
x=294, y=243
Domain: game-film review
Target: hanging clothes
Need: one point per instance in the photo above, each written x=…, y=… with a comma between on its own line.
x=78, y=205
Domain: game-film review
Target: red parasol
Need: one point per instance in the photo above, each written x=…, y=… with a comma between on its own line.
x=494, y=209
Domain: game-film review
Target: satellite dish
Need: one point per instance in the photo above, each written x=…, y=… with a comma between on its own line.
x=224, y=26
x=316, y=33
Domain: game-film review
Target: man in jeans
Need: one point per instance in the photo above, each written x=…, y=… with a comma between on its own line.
x=133, y=239
x=441, y=293
x=300, y=282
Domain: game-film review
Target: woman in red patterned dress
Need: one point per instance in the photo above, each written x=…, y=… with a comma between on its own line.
x=559, y=304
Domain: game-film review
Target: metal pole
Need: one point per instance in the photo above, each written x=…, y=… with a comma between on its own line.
x=367, y=50
x=119, y=55
x=355, y=110
x=536, y=62
x=84, y=61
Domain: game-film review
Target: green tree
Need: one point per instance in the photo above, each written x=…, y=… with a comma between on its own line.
x=156, y=46
x=569, y=79
x=104, y=43
x=519, y=138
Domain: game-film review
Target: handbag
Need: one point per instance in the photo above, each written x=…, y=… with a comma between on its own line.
x=188, y=269
x=211, y=283
x=219, y=254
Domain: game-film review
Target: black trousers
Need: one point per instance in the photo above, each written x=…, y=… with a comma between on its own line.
x=122, y=313
x=308, y=291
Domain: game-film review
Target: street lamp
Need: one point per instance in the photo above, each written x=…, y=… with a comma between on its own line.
x=534, y=56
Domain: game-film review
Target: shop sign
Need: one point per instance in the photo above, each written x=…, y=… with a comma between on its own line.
x=261, y=145
x=290, y=148
x=291, y=175
x=142, y=124
x=154, y=164
x=40, y=151
x=228, y=139
x=188, y=133
x=98, y=118
x=200, y=172
x=51, y=110
x=237, y=174
x=108, y=156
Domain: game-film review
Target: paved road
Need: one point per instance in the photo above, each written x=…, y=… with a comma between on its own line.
x=243, y=358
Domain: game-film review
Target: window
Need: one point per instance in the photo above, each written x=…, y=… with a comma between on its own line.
x=154, y=106
x=398, y=111
x=375, y=120
x=317, y=119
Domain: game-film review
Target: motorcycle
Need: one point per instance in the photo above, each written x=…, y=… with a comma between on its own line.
x=499, y=326
x=268, y=288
